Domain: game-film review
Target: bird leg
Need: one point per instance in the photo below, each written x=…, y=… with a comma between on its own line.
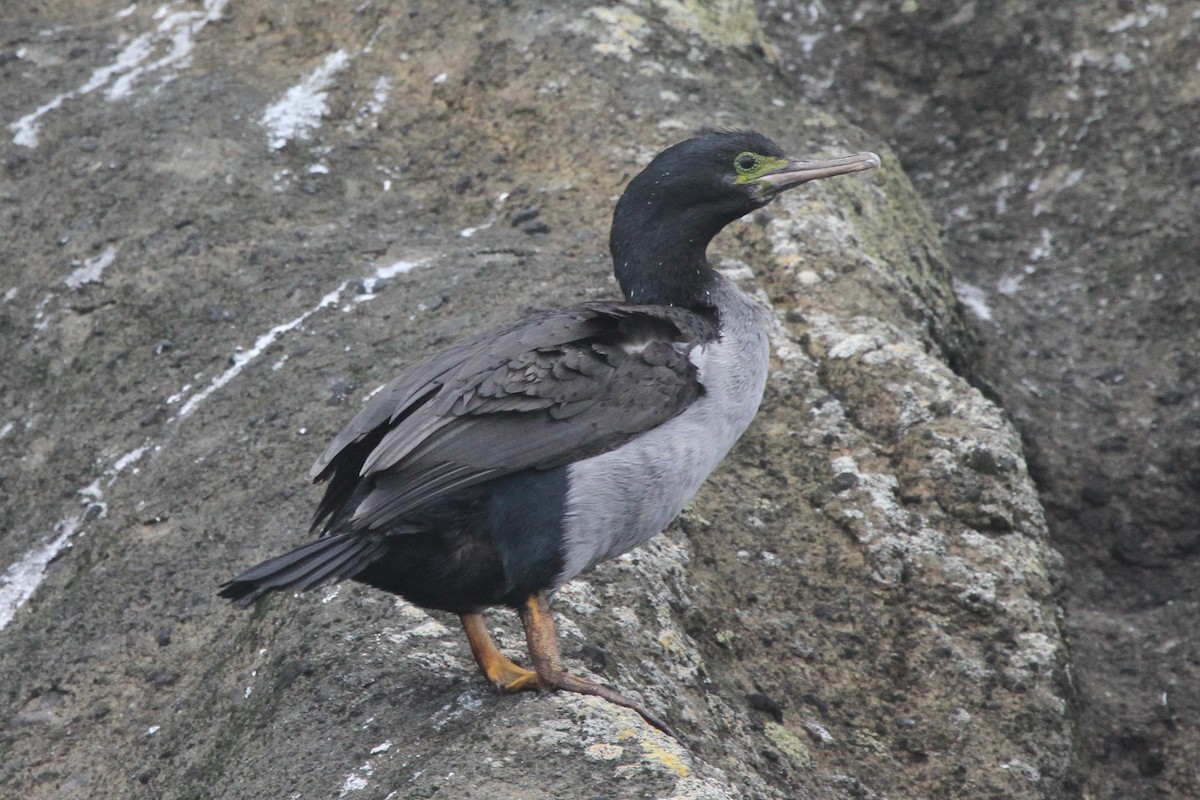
x=507, y=676
x=552, y=674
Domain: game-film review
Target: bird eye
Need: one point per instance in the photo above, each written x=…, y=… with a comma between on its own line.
x=745, y=163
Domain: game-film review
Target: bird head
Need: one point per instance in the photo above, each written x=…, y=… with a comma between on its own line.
x=726, y=175
x=690, y=191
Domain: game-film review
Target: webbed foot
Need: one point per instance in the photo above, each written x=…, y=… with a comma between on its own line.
x=552, y=674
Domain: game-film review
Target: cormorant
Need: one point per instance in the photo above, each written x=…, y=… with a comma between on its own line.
x=494, y=471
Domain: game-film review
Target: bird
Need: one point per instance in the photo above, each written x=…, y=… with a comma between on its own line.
x=491, y=473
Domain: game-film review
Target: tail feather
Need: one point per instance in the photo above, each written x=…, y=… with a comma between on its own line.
x=361, y=560
x=332, y=558
x=313, y=573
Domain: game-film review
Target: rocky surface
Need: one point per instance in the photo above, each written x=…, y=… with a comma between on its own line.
x=227, y=223
x=1054, y=145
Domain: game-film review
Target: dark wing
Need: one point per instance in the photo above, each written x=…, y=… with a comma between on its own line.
x=542, y=393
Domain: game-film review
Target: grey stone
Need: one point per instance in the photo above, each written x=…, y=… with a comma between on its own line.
x=1055, y=147
x=904, y=621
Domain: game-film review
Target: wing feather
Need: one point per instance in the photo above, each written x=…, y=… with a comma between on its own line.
x=552, y=389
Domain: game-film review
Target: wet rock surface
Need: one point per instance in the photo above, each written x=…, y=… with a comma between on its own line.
x=227, y=223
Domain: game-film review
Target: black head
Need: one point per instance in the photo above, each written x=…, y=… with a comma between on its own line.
x=704, y=177
x=689, y=192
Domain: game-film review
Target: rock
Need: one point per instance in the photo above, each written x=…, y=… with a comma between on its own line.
x=1050, y=145
x=872, y=558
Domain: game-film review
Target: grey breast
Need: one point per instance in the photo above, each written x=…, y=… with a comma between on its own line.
x=619, y=499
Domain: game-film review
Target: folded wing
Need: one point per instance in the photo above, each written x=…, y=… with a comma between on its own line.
x=553, y=389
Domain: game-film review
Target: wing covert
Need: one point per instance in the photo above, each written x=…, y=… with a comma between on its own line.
x=553, y=389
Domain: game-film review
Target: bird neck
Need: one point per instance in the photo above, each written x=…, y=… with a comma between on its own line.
x=662, y=261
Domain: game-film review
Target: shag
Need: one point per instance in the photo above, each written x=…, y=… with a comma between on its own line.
x=493, y=472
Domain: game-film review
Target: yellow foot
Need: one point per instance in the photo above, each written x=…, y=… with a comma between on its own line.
x=543, y=649
x=503, y=673
x=509, y=677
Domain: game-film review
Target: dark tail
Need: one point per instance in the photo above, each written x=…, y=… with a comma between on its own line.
x=332, y=558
